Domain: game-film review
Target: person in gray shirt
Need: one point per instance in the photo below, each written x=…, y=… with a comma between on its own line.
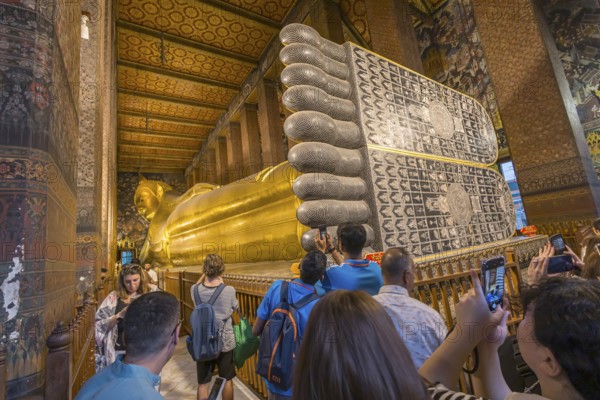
x=224, y=306
x=422, y=329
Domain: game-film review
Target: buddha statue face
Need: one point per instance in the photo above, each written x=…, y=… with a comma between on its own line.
x=146, y=202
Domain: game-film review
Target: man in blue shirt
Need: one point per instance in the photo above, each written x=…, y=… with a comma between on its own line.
x=151, y=331
x=311, y=271
x=354, y=273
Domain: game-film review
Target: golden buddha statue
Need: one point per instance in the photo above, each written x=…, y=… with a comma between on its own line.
x=379, y=145
x=250, y=220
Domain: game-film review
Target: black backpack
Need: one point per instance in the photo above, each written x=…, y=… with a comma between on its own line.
x=205, y=343
x=280, y=341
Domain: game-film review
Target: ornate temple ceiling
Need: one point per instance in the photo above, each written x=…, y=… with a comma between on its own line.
x=180, y=63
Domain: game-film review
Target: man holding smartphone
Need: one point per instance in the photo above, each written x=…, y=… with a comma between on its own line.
x=353, y=272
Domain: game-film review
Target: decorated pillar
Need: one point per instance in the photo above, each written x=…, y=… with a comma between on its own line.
x=552, y=162
x=221, y=160
x=89, y=157
x=392, y=32
x=207, y=167
x=39, y=101
x=326, y=18
x=196, y=175
x=269, y=120
x=251, y=151
x=234, y=152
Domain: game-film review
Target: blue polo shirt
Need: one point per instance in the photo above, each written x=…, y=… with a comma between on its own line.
x=121, y=381
x=297, y=290
x=354, y=275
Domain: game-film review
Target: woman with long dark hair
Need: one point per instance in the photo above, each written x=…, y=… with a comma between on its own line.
x=351, y=350
x=131, y=284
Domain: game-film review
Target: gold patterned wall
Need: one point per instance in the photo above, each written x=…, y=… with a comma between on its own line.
x=180, y=64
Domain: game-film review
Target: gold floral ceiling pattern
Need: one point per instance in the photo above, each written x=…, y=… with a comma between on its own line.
x=142, y=104
x=274, y=10
x=126, y=137
x=180, y=63
x=155, y=151
x=201, y=22
x=149, y=50
x=154, y=125
x=150, y=82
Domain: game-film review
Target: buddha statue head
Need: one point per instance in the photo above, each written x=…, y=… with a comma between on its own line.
x=148, y=196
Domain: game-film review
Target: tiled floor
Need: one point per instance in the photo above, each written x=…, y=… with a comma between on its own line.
x=178, y=378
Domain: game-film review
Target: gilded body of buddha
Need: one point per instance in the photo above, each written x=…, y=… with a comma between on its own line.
x=250, y=220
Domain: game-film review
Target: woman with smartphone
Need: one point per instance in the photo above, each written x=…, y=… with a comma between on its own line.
x=131, y=284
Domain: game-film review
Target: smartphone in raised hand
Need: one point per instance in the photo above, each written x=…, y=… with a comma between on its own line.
x=558, y=243
x=492, y=281
x=559, y=264
x=322, y=231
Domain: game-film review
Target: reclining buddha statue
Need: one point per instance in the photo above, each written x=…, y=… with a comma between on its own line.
x=380, y=145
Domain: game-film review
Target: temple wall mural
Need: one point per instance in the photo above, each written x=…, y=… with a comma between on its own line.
x=39, y=47
x=452, y=54
x=576, y=31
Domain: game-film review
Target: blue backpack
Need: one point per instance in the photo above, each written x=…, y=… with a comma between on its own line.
x=280, y=341
x=205, y=342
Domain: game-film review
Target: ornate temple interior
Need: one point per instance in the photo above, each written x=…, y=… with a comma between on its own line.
x=162, y=131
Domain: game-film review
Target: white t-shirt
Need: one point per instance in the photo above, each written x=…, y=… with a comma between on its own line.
x=154, y=276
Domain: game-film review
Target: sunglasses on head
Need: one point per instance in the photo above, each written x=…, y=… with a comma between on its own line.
x=132, y=267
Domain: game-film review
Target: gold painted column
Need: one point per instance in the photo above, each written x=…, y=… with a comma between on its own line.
x=207, y=167
x=271, y=131
x=221, y=160
x=196, y=176
x=326, y=18
x=251, y=151
x=234, y=152
x=552, y=162
x=108, y=53
x=392, y=32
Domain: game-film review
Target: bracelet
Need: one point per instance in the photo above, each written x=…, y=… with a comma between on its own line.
x=331, y=250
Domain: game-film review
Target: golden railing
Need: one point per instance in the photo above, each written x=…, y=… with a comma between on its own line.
x=439, y=283
x=250, y=292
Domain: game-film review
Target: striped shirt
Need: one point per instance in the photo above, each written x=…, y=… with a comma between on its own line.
x=421, y=327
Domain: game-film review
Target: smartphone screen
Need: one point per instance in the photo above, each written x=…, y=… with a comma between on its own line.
x=492, y=279
x=323, y=231
x=558, y=264
x=558, y=243
x=217, y=388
